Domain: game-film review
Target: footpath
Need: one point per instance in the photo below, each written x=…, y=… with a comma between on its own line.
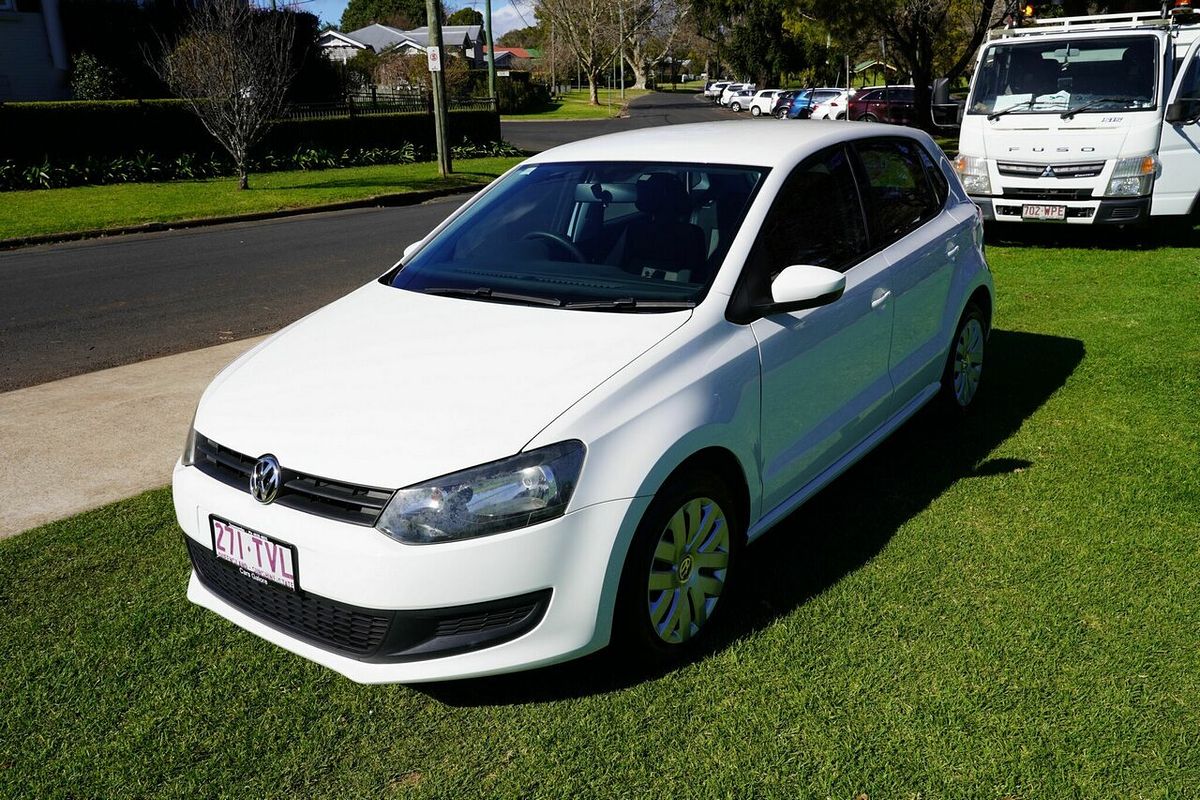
x=75, y=444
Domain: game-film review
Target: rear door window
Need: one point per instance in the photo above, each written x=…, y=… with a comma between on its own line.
x=898, y=194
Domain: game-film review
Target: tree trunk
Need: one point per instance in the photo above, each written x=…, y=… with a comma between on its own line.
x=243, y=177
x=594, y=88
x=640, y=72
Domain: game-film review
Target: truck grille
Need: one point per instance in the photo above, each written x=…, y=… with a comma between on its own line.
x=1039, y=193
x=344, y=502
x=1017, y=170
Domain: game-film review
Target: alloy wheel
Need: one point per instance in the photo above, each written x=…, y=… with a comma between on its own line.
x=968, y=361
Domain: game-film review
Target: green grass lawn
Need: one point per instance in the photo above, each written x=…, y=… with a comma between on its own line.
x=576, y=105
x=1003, y=606
x=47, y=211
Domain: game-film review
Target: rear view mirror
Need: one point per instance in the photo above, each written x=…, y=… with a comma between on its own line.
x=1183, y=110
x=803, y=286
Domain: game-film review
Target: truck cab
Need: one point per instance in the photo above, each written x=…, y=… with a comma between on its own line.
x=1084, y=120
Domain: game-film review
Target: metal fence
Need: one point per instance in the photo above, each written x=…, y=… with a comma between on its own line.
x=375, y=103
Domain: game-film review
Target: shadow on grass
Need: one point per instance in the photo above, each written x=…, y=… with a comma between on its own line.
x=836, y=533
x=1177, y=232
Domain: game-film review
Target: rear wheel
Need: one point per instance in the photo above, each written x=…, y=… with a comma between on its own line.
x=868, y=118
x=755, y=111
x=736, y=106
x=678, y=566
x=964, y=365
x=841, y=115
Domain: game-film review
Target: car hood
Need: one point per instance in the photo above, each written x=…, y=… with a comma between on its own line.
x=388, y=387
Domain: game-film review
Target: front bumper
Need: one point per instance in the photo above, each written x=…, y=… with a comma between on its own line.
x=570, y=565
x=1101, y=211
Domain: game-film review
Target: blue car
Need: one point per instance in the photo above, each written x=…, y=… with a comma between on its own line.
x=806, y=100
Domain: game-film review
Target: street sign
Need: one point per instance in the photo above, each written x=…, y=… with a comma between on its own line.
x=435, y=59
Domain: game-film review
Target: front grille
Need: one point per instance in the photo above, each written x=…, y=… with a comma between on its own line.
x=368, y=634
x=1038, y=193
x=1088, y=170
x=345, y=502
x=316, y=619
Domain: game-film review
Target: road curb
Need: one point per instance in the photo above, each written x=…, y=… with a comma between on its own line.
x=376, y=201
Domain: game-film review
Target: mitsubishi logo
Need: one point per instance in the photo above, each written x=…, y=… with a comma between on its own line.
x=1048, y=172
x=265, y=479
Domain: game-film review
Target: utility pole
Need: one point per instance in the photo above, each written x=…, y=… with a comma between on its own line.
x=433, y=13
x=621, y=52
x=491, y=57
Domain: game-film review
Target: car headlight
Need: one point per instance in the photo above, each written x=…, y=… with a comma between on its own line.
x=973, y=172
x=501, y=496
x=1133, y=177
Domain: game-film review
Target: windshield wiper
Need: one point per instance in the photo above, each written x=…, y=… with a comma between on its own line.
x=629, y=302
x=1010, y=109
x=1071, y=112
x=487, y=293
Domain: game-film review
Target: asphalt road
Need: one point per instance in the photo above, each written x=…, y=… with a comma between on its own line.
x=77, y=307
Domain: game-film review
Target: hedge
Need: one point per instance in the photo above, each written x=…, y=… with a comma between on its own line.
x=36, y=133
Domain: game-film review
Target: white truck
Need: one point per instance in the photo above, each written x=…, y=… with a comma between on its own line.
x=1085, y=120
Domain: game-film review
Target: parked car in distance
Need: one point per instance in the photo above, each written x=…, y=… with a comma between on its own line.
x=762, y=102
x=832, y=107
x=559, y=420
x=729, y=91
x=714, y=89
x=741, y=99
x=783, y=101
x=892, y=104
x=804, y=102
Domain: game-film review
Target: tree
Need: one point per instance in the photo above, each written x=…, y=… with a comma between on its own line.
x=233, y=66
x=654, y=41
x=403, y=14
x=534, y=36
x=927, y=37
x=752, y=35
x=91, y=79
x=465, y=16
x=397, y=69
x=596, y=31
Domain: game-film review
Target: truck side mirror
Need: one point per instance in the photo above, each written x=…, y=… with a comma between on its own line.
x=1183, y=111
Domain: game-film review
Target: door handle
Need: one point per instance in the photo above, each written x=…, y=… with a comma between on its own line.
x=952, y=251
x=881, y=299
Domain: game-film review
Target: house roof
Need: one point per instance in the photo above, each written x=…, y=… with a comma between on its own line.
x=384, y=37
x=328, y=36
x=515, y=52
x=378, y=37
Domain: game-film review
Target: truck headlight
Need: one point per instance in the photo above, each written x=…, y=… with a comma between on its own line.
x=1133, y=177
x=501, y=496
x=973, y=172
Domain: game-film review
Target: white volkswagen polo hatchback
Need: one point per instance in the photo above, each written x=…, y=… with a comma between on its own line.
x=559, y=419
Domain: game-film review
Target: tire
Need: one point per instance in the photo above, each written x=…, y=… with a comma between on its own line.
x=736, y=107
x=868, y=118
x=670, y=587
x=755, y=111
x=964, y=363
x=841, y=115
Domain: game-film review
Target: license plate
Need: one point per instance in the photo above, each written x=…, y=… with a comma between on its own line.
x=1043, y=212
x=256, y=555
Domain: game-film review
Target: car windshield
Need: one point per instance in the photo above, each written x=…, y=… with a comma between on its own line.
x=623, y=236
x=1106, y=74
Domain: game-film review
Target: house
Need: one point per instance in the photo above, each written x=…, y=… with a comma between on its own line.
x=33, y=53
x=460, y=40
x=509, y=57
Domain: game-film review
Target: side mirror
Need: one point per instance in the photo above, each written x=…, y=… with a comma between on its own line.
x=802, y=286
x=1183, y=111
x=408, y=251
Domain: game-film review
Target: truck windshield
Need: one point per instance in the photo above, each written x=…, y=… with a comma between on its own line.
x=1104, y=74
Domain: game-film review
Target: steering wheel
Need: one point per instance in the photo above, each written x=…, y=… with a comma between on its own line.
x=561, y=241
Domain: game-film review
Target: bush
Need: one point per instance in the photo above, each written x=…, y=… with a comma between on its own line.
x=92, y=80
x=109, y=136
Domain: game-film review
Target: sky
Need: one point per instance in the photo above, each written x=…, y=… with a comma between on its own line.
x=506, y=14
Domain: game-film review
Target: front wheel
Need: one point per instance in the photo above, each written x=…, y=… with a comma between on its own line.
x=868, y=118
x=964, y=365
x=736, y=107
x=755, y=111
x=678, y=566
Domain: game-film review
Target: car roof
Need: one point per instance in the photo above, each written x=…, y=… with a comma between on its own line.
x=719, y=142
